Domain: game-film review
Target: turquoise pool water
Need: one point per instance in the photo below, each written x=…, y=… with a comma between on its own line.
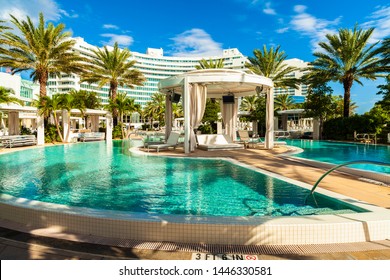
x=338, y=153
x=98, y=176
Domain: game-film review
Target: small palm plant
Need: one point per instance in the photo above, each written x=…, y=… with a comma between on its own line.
x=210, y=64
x=6, y=96
x=47, y=106
x=124, y=105
x=283, y=102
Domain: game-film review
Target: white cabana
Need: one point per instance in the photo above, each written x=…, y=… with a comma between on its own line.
x=195, y=86
x=17, y=112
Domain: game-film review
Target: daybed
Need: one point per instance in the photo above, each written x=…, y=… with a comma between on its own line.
x=211, y=142
x=18, y=140
x=92, y=136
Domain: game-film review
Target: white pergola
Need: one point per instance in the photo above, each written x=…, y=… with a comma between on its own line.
x=195, y=86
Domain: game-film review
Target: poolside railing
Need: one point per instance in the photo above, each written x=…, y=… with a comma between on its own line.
x=345, y=164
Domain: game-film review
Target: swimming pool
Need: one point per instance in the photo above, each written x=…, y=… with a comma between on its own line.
x=70, y=167
x=338, y=153
x=98, y=176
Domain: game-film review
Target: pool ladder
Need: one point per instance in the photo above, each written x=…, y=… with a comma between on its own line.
x=342, y=165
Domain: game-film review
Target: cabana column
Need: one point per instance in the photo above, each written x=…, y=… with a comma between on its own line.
x=269, y=133
x=40, y=130
x=13, y=123
x=168, y=115
x=109, y=125
x=187, y=115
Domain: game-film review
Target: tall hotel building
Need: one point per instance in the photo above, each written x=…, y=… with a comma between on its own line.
x=153, y=65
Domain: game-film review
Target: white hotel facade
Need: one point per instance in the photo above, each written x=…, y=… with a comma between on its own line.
x=156, y=67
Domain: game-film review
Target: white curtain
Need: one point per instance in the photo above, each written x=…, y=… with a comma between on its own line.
x=229, y=116
x=198, y=95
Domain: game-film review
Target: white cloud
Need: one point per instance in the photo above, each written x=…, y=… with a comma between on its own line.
x=268, y=10
x=282, y=30
x=195, y=42
x=299, y=8
x=110, y=26
x=311, y=26
x=21, y=8
x=380, y=20
x=122, y=40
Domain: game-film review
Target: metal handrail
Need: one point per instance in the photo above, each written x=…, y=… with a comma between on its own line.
x=344, y=164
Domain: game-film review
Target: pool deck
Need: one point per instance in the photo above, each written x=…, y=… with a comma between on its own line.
x=18, y=245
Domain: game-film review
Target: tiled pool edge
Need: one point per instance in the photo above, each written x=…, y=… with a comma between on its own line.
x=322, y=229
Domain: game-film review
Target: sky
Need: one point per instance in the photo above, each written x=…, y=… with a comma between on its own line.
x=204, y=28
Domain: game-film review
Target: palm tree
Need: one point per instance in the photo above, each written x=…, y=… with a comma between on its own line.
x=177, y=110
x=283, y=102
x=248, y=103
x=210, y=64
x=41, y=50
x=124, y=105
x=68, y=102
x=114, y=68
x=155, y=109
x=385, y=49
x=346, y=58
x=47, y=106
x=6, y=96
x=3, y=27
x=270, y=64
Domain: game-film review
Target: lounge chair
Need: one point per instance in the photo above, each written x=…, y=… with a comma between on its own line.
x=246, y=139
x=172, y=142
x=276, y=143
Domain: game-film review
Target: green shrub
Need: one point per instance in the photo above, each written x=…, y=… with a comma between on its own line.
x=344, y=128
x=117, y=132
x=51, y=134
x=206, y=129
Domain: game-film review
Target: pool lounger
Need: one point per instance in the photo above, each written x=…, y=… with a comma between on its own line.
x=172, y=142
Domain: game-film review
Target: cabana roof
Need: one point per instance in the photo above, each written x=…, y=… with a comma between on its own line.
x=11, y=107
x=218, y=81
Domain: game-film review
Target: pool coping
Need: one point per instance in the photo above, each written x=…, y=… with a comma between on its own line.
x=317, y=229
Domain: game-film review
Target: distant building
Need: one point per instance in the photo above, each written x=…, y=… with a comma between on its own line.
x=297, y=94
x=153, y=65
x=23, y=89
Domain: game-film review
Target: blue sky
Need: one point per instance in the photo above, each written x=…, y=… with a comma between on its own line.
x=205, y=27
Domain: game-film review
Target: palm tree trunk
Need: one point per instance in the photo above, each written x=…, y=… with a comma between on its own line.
x=58, y=126
x=321, y=127
x=113, y=89
x=122, y=129
x=68, y=133
x=347, y=84
x=42, y=84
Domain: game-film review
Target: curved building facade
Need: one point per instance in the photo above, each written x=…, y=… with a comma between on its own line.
x=152, y=64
